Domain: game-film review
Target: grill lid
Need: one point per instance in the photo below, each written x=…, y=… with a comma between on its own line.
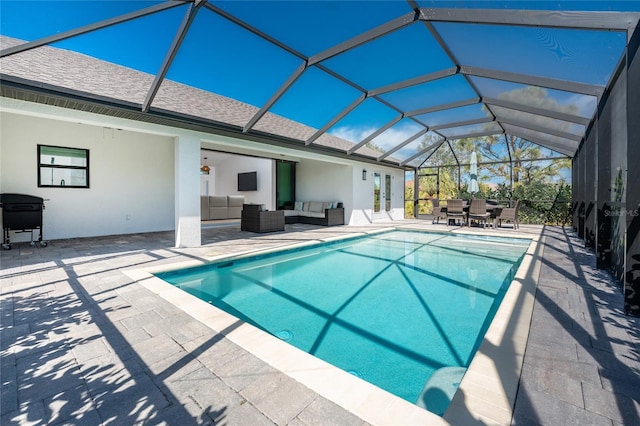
x=20, y=199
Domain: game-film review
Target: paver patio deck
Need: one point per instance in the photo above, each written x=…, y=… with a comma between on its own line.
x=82, y=343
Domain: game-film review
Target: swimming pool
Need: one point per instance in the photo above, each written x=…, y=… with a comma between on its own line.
x=392, y=308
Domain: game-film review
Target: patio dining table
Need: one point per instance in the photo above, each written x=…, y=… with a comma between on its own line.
x=493, y=209
x=490, y=208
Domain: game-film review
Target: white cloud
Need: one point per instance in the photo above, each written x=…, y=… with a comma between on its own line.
x=586, y=104
x=352, y=134
x=394, y=136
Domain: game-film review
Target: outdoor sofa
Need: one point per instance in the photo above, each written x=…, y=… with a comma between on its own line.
x=215, y=207
x=316, y=213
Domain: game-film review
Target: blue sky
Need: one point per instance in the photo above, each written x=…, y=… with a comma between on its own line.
x=220, y=57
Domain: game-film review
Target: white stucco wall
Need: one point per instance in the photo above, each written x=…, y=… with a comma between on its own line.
x=362, y=197
x=133, y=182
x=322, y=181
x=131, y=177
x=226, y=178
x=362, y=212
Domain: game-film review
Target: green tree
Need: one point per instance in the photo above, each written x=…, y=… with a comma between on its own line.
x=543, y=202
x=525, y=158
x=408, y=195
x=514, y=155
x=448, y=176
x=502, y=157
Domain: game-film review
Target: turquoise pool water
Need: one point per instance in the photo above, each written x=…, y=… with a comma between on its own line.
x=391, y=308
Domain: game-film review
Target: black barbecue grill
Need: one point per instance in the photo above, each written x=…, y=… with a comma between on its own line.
x=21, y=213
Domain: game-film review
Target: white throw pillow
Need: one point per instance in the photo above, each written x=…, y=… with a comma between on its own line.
x=298, y=205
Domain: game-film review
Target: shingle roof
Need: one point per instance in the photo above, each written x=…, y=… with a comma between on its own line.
x=68, y=70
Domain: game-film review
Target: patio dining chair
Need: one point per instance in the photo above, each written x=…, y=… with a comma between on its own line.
x=437, y=212
x=478, y=211
x=455, y=211
x=510, y=214
x=494, y=208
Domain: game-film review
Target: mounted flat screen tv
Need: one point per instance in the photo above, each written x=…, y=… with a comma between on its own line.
x=248, y=181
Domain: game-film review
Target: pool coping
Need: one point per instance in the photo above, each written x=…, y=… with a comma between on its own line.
x=487, y=392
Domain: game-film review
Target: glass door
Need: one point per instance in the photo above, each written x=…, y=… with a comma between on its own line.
x=285, y=184
x=381, y=193
x=387, y=193
x=376, y=192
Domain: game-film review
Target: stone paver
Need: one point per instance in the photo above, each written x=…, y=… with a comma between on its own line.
x=582, y=362
x=81, y=343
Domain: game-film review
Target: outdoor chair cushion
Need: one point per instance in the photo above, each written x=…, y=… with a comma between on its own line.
x=315, y=212
x=218, y=207
x=316, y=206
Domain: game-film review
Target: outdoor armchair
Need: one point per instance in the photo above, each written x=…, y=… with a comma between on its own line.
x=510, y=214
x=254, y=219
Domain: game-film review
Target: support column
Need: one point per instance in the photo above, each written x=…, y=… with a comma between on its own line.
x=632, y=256
x=575, y=184
x=581, y=189
x=187, y=191
x=590, y=151
x=603, y=237
x=416, y=192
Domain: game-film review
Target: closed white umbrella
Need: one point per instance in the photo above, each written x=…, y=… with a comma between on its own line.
x=473, y=172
